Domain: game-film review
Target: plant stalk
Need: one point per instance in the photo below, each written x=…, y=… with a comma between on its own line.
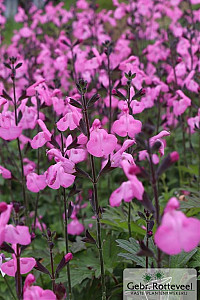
x=19, y=287
x=52, y=269
x=157, y=206
x=94, y=182
x=65, y=228
x=20, y=154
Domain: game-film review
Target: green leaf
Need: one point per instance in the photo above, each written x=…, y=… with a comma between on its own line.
x=78, y=245
x=132, y=247
x=77, y=276
x=192, y=169
x=180, y=260
x=195, y=261
x=124, y=226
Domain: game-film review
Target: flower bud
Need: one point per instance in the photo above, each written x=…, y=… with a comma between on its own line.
x=149, y=233
x=167, y=162
x=63, y=262
x=174, y=156
x=49, y=232
x=60, y=291
x=114, y=92
x=68, y=257
x=16, y=207
x=3, y=206
x=33, y=236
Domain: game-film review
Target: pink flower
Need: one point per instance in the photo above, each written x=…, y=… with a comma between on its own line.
x=158, y=138
x=127, y=125
x=35, y=182
x=26, y=265
x=8, y=130
x=128, y=190
x=4, y=218
x=17, y=235
x=5, y=173
x=31, y=89
x=120, y=155
x=42, y=137
x=194, y=122
x=29, y=166
x=75, y=155
x=56, y=176
x=36, y=292
x=179, y=107
x=190, y=83
x=100, y=143
x=137, y=107
x=144, y=155
x=177, y=232
x=75, y=227
x=70, y=120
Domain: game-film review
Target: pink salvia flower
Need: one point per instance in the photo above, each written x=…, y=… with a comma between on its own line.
x=31, y=89
x=128, y=190
x=100, y=143
x=8, y=130
x=70, y=120
x=35, y=182
x=179, y=107
x=17, y=235
x=42, y=137
x=177, y=232
x=56, y=177
x=32, y=292
x=26, y=264
x=75, y=227
x=127, y=125
x=158, y=138
x=5, y=173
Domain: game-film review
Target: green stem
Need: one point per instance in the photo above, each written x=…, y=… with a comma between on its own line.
x=147, y=258
x=52, y=270
x=20, y=154
x=38, y=164
x=65, y=229
x=129, y=219
x=155, y=191
x=184, y=140
x=18, y=287
x=98, y=223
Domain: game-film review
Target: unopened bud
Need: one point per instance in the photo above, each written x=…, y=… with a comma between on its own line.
x=60, y=291
x=16, y=207
x=49, y=232
x=174, y=156
x=68, y=257
x=3, y=206
x=33, y=236
x=150, y=233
